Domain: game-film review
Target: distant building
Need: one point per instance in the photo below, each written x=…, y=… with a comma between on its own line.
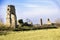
x=11, y=19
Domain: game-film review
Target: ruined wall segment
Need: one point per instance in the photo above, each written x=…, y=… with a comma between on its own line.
x=11, y=19
x=48, y=21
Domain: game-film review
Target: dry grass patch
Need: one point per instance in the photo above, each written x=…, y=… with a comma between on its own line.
x=47, y=34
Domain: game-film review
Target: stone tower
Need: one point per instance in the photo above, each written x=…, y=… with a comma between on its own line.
x=11, y=19
x=41, y=21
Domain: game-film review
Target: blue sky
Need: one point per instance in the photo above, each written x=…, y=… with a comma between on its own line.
x=32, y=9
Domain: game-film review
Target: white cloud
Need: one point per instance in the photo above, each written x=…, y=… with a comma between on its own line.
x=37, y=0
x=30, y=5
x=32, y=12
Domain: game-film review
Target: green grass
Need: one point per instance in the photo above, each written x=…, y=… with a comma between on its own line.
x=46, y=34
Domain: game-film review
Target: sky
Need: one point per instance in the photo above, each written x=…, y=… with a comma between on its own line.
x=32, y=9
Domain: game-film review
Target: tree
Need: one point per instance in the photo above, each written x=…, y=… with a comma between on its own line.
x=20, y=21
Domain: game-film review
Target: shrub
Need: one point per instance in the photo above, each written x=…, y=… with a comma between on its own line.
x=20, y=21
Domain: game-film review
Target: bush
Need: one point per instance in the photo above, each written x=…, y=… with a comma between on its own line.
x=20, y=21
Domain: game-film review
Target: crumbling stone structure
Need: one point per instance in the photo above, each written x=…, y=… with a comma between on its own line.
x=48, y=21
x=41, y=22
x=11, y=19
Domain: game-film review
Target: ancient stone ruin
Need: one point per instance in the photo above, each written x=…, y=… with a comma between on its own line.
x=11, y=19
x=41, y=22
x=48, y=21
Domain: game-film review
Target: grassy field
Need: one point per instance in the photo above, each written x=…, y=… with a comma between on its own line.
x=46, y=34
